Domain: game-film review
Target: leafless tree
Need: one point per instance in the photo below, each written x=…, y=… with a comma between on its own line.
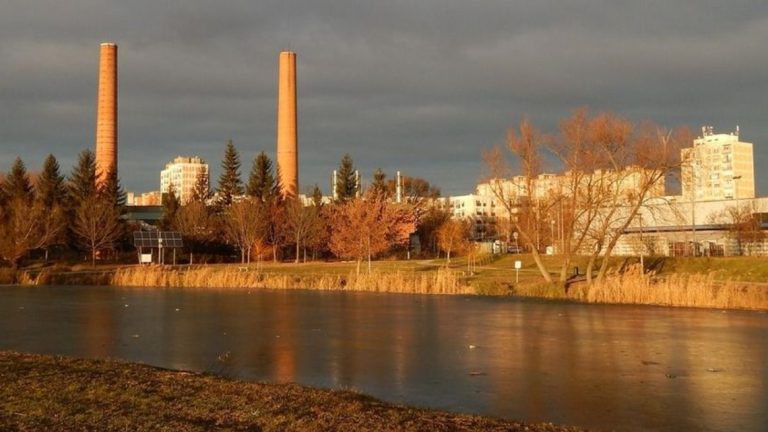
x=244, y=226
x=196, y=225
x=97, y=225
x=302, y=223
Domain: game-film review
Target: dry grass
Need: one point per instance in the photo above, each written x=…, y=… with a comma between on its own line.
x=683, y=289
x=441, y=281
x=46, y=393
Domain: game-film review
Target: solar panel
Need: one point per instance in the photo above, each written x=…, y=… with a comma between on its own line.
x=154, y=239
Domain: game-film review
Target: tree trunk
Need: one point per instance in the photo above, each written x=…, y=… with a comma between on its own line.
x=540, y=264
x=274, y=253
x=298, y=250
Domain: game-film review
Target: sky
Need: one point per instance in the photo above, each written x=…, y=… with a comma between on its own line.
x=420, y=86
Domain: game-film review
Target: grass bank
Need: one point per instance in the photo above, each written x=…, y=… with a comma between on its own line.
x=730, y=282
x=62, y=394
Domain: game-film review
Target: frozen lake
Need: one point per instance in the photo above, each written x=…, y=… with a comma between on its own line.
x=603, y=367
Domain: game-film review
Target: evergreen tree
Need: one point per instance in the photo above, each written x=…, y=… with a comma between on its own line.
x=261, y=182
x=17, y=184
x=317, y=196
x=230, y=184
x=82, y=181
x=171, y=206
x=346, y=181
x=379, y=185
x=51, y=189
x=112, y=192
x=202, y=191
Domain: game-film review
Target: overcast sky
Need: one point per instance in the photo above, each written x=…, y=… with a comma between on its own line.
x=421, y=86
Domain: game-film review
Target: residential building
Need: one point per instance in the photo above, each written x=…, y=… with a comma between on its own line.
x=183, y=173
x=718, y=167
x=153, y=198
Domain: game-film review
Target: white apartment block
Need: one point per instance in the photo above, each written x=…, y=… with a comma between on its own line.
x=182, y=172
x=718, y=167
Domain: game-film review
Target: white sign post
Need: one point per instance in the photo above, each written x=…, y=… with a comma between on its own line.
x=518, y=266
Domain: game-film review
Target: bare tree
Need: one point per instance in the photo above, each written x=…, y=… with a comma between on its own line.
x=244, y=226
x=97, y=225
x=302, y=223
x=19, y=229
x=195, y=223
x=523, y=206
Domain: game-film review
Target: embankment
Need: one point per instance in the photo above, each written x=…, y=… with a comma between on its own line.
x=63, y=394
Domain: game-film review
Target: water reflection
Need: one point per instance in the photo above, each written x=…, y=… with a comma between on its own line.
x=606, y=367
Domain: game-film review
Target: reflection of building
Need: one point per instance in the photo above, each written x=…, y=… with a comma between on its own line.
x=183, y=173
x=718, y=166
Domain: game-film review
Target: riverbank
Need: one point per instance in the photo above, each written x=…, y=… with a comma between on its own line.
x=61, y=394
x=726, y=283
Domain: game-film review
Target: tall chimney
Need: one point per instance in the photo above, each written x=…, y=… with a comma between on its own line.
x=287, y=139
x=106, y=113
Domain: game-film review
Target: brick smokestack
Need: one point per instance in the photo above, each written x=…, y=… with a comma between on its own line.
x=287, y=137
x=106, y=113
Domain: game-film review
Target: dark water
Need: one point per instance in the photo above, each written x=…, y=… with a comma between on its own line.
x=603, y=367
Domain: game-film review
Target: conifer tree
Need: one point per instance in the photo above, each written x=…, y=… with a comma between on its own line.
x=346, y=181
x=230, y=184
x=17, y=184
x=261, y=182
x=82, y=181
x=317, y=196
x=379, y=184
x=202, y=191
x=171, y=206
x=51, y=189
x=112, y=192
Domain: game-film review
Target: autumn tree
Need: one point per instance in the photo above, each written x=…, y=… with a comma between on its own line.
x=364, y=228
x=453, y=236
x=429, y=224
x=230, y=184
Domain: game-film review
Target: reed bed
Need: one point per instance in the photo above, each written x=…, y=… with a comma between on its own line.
x=680, y=289
x=442, y=281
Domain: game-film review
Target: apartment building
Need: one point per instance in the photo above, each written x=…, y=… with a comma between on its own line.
x=183, y=173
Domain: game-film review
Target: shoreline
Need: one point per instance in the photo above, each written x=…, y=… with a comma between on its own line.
x=44, y=392
x=676, y=289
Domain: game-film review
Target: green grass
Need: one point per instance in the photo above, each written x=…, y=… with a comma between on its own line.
x=63, y=394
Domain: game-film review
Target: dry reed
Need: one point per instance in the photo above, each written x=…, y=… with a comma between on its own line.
x=442, y=281
x=680, y=289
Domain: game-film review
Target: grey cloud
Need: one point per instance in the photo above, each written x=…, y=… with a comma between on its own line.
x=422, y=86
